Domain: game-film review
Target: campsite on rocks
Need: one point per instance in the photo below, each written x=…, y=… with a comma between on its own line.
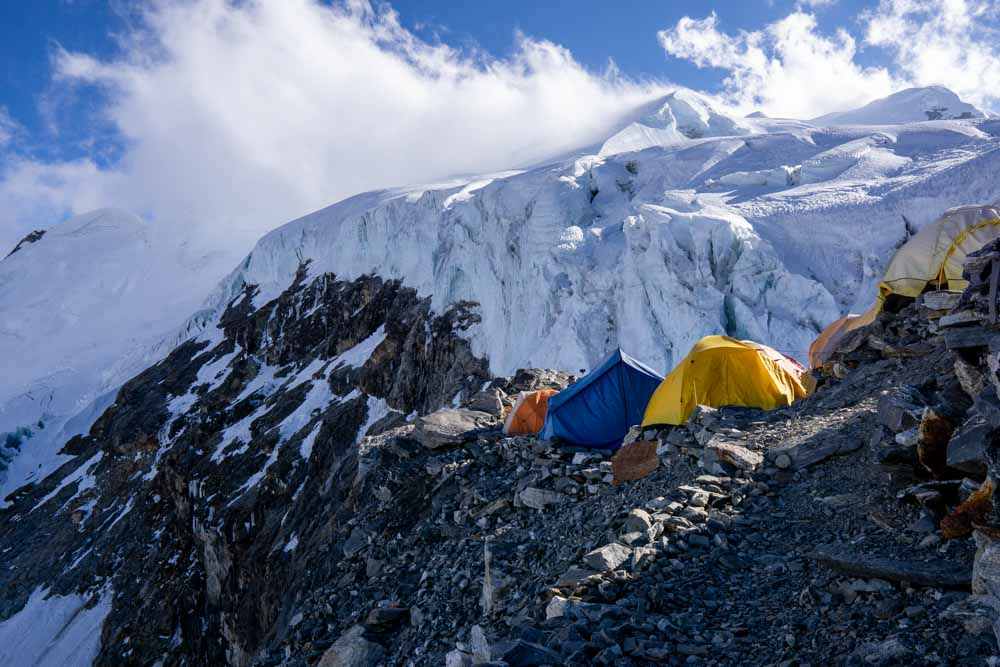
x=674, y=381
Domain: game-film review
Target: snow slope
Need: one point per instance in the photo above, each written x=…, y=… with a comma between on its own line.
x=81, y=310
x=55, y=630
x=768, y=235
x=676, y=118
x=906, y=106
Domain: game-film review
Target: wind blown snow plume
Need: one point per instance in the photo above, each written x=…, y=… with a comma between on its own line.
x=299, y=103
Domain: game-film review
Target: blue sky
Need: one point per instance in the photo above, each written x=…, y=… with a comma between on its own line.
x=227, y=117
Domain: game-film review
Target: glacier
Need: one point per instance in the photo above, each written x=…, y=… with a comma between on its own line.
x=768, y=234
x=686, y=221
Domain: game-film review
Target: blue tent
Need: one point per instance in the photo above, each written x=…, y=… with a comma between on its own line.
x=597, y=410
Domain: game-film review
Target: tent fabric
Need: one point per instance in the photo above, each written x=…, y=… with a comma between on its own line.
x=597, y=410
x=936, y=253
x=830, y=337
x=933, y=257
x=720, y=371
x=528, y=414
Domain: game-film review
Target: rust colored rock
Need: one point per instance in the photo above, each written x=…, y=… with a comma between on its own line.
x=974, y=510
x=935, y=433
x=634, y=461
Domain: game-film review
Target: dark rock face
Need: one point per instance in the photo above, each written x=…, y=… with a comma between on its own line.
x=27, y=240
x=217, y=488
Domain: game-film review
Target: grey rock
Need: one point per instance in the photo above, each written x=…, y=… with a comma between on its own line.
x=488, y=401
x=638, y=521
x=527, y=654
x=539, y=499
x=450, y=426
x=900, y=408
x=718, y=449
x=352, y=650
x=967, y=447
x=574, y=576
x=357, y=541
x=608, y=557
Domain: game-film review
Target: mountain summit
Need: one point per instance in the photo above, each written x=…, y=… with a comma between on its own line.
x=675, y=118
x=907, y=106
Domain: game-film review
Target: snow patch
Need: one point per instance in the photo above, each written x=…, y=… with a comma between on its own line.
x=83, y=475
x=356, y=356
x=56, y=630
x=377, y=409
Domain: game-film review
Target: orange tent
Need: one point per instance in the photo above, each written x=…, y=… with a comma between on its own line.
x=528, y=414
x=828, y=339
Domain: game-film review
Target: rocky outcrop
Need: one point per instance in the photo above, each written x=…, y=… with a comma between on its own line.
x=209, y=494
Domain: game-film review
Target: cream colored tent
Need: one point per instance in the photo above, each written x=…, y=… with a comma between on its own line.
x=931, y=259
x=936, y=253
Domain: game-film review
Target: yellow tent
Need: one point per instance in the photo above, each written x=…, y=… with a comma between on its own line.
x=528, y=414
x=724, y=371
x=932, y=258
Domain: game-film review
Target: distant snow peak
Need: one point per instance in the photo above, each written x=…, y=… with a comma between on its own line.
x=906, y=106
x=681, y=116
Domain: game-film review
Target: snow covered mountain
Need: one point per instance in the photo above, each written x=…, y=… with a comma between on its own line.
x=685, y=222
x=906, y=106
x=83, y=307
x=219, y=468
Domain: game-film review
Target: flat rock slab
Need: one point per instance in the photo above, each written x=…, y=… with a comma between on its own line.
x=450, y=426
x=727, y=451
x=818, y=448
x=634, y=461
x=939, y=573
x=608, y=557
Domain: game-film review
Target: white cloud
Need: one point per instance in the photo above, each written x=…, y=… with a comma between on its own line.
x=8, y=128
x=951, y=43
x=238, y=116
x=791, y=68
x=786, y=69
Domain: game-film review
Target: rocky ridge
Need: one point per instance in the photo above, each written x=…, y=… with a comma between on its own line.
x=322, y=479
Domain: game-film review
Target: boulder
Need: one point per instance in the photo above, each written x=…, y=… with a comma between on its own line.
x=450, y=426
x=357, y=541
x=634, y=461
x=489, y=401
x=900, y=408
x=533, y=379
x=608, y=557
x=637, y=521
x=935, y=432
x=574, y=576
x=967, y=446
x=352, y=650
x=527, y=654
x=719, y=450
x=969, y=377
